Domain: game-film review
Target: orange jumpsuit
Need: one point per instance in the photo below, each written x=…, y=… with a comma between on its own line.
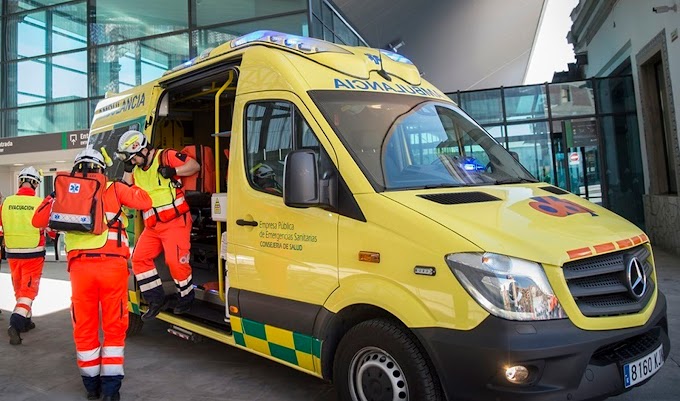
x=26, y=266
x=99, y=279
x=167, y=228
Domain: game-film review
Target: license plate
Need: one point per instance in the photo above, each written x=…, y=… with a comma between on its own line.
x=639, y=370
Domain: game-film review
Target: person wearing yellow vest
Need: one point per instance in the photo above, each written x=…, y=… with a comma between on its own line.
x=167, y=223
x=98, y=269
x=25, y=250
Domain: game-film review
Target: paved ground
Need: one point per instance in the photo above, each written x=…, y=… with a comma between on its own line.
x=160, y=366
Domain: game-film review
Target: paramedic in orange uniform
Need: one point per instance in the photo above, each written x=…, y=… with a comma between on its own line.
x=25, y=250
x=99, y=279
x=167, y=224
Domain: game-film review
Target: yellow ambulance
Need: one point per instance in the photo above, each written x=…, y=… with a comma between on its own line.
x=366, y=231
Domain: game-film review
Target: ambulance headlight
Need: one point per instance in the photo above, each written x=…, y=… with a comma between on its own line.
x=507, y=287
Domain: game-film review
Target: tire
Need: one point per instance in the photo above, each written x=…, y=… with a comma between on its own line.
x=135, y=324
x=379, y=360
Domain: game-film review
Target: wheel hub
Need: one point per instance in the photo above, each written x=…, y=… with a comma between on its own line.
x=375, y=376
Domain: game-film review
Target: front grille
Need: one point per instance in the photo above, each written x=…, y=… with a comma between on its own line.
x=628, y=349
x=600, y=287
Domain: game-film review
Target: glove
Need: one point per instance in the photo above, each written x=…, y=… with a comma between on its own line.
x=53, y=195
x=167, y=172
x=128, y=166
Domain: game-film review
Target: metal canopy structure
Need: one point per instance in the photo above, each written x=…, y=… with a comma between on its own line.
x=457, y=44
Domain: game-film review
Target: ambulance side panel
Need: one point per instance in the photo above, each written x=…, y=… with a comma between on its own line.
x=282, y=261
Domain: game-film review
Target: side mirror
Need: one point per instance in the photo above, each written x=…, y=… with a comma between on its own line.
x=302, y=185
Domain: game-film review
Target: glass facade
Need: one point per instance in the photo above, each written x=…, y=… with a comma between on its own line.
x=581, y=136
x=60, y=57
x=328, y=24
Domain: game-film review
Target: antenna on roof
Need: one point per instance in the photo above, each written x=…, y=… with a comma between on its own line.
x=382, y=71
x=395, y=45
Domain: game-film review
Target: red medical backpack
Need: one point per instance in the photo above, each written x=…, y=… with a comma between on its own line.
x=78, y=204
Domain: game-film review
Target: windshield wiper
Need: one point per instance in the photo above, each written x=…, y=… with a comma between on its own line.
x=513, y=181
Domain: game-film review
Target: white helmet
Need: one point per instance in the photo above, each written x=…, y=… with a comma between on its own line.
x=31, y=175
x=89, y=155
x=129, y=144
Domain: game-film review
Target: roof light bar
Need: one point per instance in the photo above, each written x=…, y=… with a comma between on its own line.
x=300, y=43
x=396, y=57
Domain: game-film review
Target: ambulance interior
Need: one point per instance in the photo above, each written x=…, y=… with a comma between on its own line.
x=186, y=116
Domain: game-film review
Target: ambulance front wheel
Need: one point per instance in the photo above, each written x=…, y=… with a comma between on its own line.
x=135, y=324
x=380, y=360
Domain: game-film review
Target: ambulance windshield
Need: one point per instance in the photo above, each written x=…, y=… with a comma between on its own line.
x=410, y=142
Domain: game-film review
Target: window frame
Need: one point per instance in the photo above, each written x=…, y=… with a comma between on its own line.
x=295, y=112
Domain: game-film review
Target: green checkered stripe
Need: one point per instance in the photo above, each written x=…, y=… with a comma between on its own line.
x=295, y=348
x=133, y=302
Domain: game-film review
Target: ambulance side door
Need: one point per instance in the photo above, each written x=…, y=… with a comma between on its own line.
x=286, y=258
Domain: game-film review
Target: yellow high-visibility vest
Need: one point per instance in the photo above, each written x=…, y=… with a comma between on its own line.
x=17, y=214
x=160, y=190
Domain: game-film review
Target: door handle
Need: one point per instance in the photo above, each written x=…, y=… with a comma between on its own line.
x=242, y=222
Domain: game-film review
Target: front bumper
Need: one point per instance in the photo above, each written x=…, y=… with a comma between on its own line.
x=567, y=363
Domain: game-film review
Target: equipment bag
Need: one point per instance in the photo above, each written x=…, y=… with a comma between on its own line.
x=198, y=187
x=204, y=179
x=78, y=204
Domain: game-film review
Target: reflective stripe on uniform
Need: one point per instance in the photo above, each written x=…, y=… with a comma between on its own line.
x=113, y=351
x=25, y=301
x=153, y=284
x=150, y=273
x=112, y=361
x=148, y=280
x=113, y=236
x=183, y=283
x=89, y=355
x=71, y=218
x=23, y=307
x=25, y=250
x=90, y=371
x=186, y=292
x=21, y=310
x=161, y=209
x=112, y=370
x=111, y=216
x=184, y=287
x=89, y=362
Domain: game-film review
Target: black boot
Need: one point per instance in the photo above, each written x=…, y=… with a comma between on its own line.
x=30, y=326
x=93, y=386
x=184, y=304
x=14, y=337
x=153, y=311
x=114, y=397
x=181, y=309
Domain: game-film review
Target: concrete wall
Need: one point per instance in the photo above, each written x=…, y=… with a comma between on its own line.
x=662, y=215
x=630, y=28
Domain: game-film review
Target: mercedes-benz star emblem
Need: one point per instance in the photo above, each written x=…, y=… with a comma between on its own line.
x=637, y=278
